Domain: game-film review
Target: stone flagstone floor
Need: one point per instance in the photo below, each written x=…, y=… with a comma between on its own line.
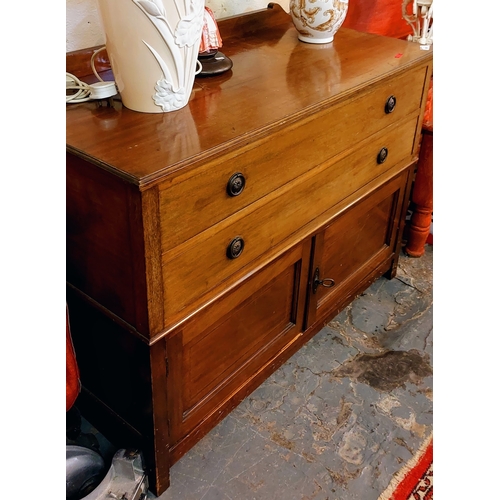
x=339, y=418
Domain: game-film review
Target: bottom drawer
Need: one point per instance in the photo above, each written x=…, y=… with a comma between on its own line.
x=215, y=356
x=354, y=245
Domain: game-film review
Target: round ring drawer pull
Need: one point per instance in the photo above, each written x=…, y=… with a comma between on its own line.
x=390, y=104
x=382, y=155
x=326, y=282
x=236, y=184
x=235, y=248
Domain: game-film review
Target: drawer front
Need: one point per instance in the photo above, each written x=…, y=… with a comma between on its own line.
x=222, y=348
x=201, y=197
x=193, y=269
x=356, y=243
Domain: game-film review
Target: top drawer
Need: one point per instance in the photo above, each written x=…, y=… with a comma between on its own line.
x=193, y=201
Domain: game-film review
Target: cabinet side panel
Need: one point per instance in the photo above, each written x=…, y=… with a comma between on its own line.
x=105, y=253
x=114, y=368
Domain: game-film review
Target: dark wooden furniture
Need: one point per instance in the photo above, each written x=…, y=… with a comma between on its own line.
x=206, y=246
x=422, y=192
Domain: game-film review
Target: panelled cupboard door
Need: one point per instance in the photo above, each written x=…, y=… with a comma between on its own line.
x=215, y=357
x=358, y=242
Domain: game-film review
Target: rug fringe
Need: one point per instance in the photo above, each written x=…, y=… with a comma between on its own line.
x=401, y=474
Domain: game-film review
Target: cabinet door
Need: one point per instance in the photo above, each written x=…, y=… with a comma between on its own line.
x=226, y=350
x=355, y=248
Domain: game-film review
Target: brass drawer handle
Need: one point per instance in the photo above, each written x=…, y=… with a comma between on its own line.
x=236, y=184
x=382, y=155
x=390, y=104
x=326, y=282
x=235, y=248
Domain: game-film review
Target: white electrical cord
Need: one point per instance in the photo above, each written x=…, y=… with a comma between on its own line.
x=86, y=92
x=92, y=65
x=82, y=93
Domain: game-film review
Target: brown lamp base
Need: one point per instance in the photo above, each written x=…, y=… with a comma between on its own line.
x=214, y=63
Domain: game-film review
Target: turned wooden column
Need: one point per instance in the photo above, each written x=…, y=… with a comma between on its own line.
x=422, y=196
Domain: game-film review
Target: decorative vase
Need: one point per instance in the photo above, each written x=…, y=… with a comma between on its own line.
x=153, y=48
x=317, y=21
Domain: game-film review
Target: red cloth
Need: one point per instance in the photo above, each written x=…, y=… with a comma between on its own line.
x=380, y=17
x=428, y=113
x=72, y=372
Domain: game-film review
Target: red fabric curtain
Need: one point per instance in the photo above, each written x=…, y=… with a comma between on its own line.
x=381, y=17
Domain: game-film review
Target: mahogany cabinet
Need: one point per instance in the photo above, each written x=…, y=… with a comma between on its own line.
x=207, y=245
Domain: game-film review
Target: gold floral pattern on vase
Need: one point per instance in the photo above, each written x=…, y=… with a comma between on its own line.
x=317, y=21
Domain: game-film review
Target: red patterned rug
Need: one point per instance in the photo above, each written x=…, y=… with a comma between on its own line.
x=414, y=480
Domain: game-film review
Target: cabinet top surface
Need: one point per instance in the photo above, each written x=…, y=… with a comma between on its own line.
x=275, y=80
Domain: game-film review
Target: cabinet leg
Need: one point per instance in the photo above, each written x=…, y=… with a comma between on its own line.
x=391, y=273
x=420, y=222
x=419, y=231
x=159, y=480
x=159, y=477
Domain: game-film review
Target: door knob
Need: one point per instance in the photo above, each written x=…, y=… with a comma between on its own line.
x=390, y=104
x=326, y=282
x=235, y=248
x=236, y=184
x=382, y=155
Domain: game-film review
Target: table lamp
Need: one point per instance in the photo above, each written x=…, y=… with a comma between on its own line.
x=212, y=61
